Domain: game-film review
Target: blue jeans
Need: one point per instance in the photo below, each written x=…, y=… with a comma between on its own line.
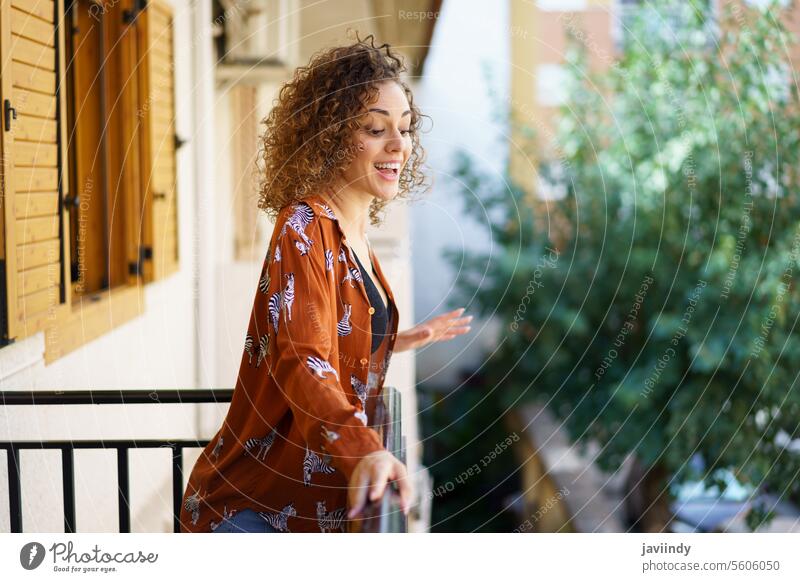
x=245, y=521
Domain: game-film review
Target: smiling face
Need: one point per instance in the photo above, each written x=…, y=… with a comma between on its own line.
x=385, y=144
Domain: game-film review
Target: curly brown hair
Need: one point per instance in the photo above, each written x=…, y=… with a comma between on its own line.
x=309, y=134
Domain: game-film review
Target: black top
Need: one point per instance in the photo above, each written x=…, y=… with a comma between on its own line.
x=380, y=319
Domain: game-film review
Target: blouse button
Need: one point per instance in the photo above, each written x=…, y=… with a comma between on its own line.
x=364, y=360
x=371, y=310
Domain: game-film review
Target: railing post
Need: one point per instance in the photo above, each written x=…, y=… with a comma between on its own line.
x=177, y=486
x=14, y=489
x=68, y=487
x=123, y=490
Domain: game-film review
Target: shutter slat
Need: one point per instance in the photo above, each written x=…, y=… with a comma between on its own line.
x=37, y=254
x=42, y=9
x=36, y=204
x=30, y=27
x=33, y=53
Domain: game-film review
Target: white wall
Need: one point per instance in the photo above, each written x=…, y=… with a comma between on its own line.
x=454, y=93
x=237, y=279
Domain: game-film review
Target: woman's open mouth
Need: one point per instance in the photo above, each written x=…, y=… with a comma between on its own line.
x=388, y=170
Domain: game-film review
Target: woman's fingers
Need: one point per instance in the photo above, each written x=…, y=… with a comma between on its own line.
x=379, y=482
x=449, y=315
x=455, y=322
x=358, y=494
x=393, y=472
x=449, y=336
x=454, y=331
x=401, y=478
x=371, y=482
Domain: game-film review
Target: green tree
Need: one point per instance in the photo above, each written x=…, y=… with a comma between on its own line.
x=654, y=308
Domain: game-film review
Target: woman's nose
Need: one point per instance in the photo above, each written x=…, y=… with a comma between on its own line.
x=395, y=143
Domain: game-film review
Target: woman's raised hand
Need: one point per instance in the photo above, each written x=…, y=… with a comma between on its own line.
x=437, y=329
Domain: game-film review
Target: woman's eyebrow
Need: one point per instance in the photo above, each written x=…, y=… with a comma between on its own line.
x=384, y=112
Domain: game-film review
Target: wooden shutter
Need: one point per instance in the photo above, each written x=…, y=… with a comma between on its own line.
x=31, y=163
x=158, y=112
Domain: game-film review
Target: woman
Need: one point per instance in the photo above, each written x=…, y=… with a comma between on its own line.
x=295, y=451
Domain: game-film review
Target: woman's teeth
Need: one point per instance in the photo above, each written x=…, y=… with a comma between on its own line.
x=388, y=170
x=394, y=167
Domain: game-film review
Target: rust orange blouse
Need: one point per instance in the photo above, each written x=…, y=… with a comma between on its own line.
x=297, y=423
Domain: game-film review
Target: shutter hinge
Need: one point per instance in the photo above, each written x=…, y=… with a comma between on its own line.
x=129, y=16
x=9, y=113
x=145, y=254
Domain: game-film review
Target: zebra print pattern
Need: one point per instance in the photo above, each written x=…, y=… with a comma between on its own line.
x=277, y=258
x=344, y=328
x=321, y=366
x=326, y=210
x=278, y=520
x=274, y=309
x=372, y=380
x=329, y=435
x=263, y=283
x=248, y=348
x=301, y=217
x=313, y=464
x=329, y=521
x=264, y=444
x=302, y=247
x=192, y=504
x=353, y=274
x=287, y=298
x=328, y=260
x=263, y=349
x=362, y=416
x=225, y=515
x=217, y=448
x=342, y=256
x=360, y=389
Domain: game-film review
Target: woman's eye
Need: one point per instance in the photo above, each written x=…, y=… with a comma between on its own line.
x=380, y=131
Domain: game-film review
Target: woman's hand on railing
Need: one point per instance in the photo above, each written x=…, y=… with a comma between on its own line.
x=437, y=329
x=370, y=477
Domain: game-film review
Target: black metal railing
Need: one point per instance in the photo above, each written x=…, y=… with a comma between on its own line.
x=84, y=397
x=383, y=515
